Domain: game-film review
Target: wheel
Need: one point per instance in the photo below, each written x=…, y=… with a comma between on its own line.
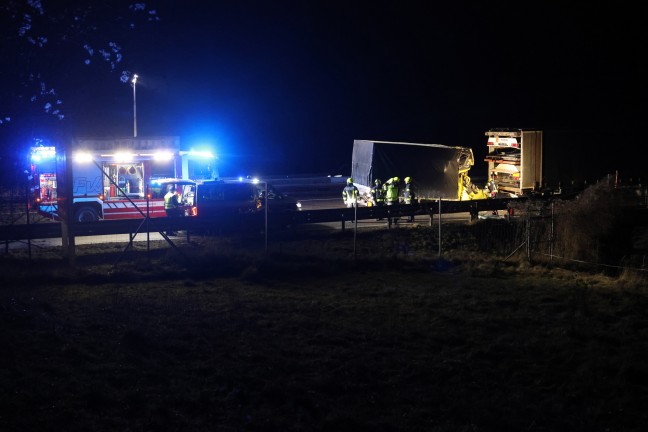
x=86, y=214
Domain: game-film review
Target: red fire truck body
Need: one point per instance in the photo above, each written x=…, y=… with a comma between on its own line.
x=118, y=178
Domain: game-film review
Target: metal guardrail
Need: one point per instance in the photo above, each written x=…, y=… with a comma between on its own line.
x=201, y=224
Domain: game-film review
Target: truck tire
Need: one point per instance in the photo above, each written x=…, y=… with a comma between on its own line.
x=86, y=214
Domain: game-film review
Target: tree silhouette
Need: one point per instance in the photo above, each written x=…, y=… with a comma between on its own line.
x=47, y=46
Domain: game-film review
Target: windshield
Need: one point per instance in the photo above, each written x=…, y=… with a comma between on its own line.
x=272, y=192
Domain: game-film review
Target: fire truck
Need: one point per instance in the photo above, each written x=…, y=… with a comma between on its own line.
x=120, y=178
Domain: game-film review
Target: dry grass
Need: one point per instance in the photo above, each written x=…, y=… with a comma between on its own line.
x=595, y=227
x=310, y=338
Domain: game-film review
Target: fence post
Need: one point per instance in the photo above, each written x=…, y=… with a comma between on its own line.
x=355, y=229
x=551, y=239
x=29, y=245
x=439, y=227
x=528, y=234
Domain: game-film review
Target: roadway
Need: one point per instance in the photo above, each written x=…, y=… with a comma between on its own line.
x=322, y=209
x=54, y=239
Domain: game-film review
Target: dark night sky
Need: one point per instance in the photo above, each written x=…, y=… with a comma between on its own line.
x=285, y=87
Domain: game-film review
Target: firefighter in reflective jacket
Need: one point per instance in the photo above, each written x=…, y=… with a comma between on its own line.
x=377, y=193
x=350, y=194
x=172, y=206
x=392, y=190
x=409, y=195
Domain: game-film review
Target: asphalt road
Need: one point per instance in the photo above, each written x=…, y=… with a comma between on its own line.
x=316, y=198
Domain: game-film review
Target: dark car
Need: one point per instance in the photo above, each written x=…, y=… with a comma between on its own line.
x=241, y=197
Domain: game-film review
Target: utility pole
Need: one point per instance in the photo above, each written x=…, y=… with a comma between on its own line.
x=134, y=81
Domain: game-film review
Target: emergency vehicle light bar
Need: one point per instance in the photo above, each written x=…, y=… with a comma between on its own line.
x=128, y=157
x=82, y=157
x=124, y=157
x=162, y=156
x=201, y=154
x=40, y=153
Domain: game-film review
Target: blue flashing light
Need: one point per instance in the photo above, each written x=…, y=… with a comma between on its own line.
x=199, y=154
x=42, y=153
x=203, y=154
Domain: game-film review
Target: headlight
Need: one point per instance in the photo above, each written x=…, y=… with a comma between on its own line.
x=298, y=205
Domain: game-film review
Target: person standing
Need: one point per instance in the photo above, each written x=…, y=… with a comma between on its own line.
x=378, y=194
x=172, y=206
x=409, y=195
x=350, y=194
x=392, y=190
x=492, y=185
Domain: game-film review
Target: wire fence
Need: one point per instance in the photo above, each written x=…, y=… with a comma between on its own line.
x=13, y=205
x=601, y=229
x=605, y=234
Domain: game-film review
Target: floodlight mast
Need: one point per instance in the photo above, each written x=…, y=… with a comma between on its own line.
x=134, y=81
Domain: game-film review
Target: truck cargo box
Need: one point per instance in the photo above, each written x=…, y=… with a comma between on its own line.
x=515, y=160
x=434, y=168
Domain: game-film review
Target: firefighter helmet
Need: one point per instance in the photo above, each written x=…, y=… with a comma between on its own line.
x=377, y=182
x=396, y=179
x=407, y=180
x=350, y=180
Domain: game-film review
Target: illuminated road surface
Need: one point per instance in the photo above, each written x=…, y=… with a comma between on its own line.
x=84, y=240
x=321, y=203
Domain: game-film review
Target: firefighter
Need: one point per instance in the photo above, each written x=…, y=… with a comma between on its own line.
x=378, y=195
x=392, y=190
x=350, y=194
x=409, y=194
x=172, y=206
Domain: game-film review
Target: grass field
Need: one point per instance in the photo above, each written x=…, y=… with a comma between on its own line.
x=315, y=337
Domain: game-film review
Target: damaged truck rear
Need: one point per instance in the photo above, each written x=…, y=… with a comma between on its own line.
x=437, y=171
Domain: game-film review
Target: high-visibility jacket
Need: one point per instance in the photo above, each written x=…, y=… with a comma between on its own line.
x=409, y=195
x=378, y=195
x=392, y=191
x=171, y=200
x=350, y=194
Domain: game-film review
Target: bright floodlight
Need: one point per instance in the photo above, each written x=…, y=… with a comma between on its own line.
x=202, y=154
x=123, y=157
x=135, y=79
x=163, y=156
x=82, y=157
x=198, y=154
